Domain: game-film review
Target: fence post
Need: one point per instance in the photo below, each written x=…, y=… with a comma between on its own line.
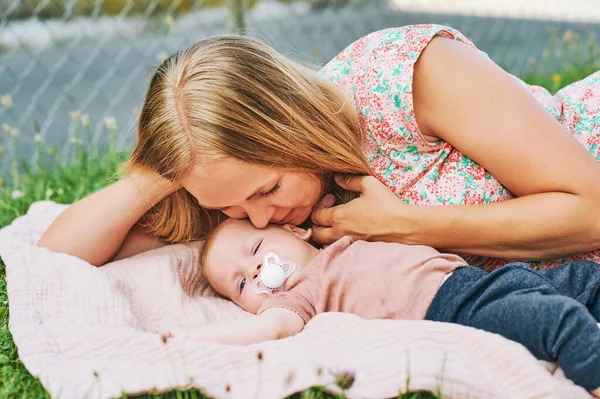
x=237, y=16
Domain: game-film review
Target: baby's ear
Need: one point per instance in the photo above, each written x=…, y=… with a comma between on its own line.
x=303, y=234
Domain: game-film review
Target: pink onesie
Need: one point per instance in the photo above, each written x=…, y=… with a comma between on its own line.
x=373, y=280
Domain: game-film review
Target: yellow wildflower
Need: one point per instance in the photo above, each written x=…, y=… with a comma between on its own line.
x=6, y=101
x=556, y=78
x=568, y=36
x=546, y=54
x=6, y=128
x=2, y=150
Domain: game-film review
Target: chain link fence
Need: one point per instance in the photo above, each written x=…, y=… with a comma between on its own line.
x=72, y=69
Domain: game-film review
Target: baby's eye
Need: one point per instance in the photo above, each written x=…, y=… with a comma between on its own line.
x=256, y=247
x=242, y=284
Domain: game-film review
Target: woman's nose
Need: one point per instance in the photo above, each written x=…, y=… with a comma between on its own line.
x=260, y=217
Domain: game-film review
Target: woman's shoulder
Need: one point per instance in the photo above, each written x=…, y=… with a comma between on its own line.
x=383, y=59
x=403, y=44
x=375, y=74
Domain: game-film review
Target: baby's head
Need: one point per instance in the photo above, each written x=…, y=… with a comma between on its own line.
x=233, y=254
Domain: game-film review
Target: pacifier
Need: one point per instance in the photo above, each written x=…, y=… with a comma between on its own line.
x=273, y=273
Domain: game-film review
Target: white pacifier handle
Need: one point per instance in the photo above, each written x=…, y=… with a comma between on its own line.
x=273, y=273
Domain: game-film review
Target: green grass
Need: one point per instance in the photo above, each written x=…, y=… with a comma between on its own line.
x=568, y=59
x=66, y=180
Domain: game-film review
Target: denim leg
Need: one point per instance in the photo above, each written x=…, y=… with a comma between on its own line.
x=522, y=306
x=580, y=280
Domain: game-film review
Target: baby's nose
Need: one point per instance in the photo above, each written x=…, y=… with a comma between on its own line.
x=255, y=271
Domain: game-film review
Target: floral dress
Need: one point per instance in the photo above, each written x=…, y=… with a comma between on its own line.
x=376, y=74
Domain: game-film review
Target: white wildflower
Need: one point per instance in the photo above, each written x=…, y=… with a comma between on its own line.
x=75, y=141
x=74, y=115
x=162, y=56
x=37, y=138
x=49, y=193
x=60, y=191
x=85, y=120
x=6, y=128
x=110, y=123
x=6, y=101
x=16, y=194
x=14, y=133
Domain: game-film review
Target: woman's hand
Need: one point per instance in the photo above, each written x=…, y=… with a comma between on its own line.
x=374, y=216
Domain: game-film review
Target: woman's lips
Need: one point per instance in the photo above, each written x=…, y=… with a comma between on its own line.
x=288, y=218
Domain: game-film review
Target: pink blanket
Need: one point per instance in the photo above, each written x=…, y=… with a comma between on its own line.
x=82, y=331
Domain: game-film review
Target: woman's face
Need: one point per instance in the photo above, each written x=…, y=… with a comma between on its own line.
x=264, y=195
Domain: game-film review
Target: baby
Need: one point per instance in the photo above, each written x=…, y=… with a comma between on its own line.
x=276, y=274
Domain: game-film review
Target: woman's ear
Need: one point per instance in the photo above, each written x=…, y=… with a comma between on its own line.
x=303, y=234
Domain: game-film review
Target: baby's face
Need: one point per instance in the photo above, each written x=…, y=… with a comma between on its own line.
x=236, y=255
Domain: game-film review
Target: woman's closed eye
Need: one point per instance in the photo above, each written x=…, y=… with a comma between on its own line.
x=270, y=192
x=259, y=195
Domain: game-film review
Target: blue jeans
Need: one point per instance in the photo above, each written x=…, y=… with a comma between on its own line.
x=553, y=312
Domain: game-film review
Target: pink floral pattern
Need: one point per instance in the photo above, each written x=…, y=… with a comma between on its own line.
x=376, y=74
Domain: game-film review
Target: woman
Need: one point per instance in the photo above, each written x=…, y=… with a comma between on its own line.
x=412, y=117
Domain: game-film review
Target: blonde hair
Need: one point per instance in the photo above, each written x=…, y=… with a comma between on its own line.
x=209, y=240
x=233, y=96
x=192, y=276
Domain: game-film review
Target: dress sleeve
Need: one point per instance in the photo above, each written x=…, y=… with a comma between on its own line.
x=376, y=73
x=388, y=82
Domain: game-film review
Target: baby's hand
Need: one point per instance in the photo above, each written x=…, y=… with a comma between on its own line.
x=177, y=332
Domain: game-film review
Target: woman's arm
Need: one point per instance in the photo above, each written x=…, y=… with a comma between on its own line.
x=95, y=228
x=466, y=100
x=137, y=241
x=274, y=323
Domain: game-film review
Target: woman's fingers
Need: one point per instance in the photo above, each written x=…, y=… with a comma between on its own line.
x=351, y=182
x=324, y=235
x=322, y=217
x=327, y=201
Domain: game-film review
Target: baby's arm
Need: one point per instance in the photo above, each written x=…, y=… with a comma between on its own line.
x=273, y=323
